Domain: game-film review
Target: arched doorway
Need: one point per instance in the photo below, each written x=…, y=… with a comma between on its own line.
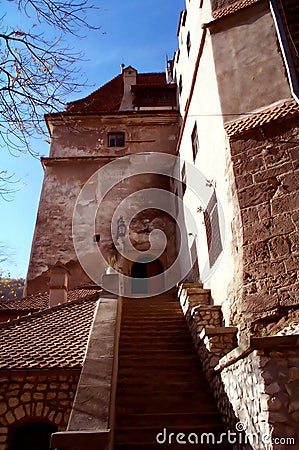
x=142, y=271
x=32, y=436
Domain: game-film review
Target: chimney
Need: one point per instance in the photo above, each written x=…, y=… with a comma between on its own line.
x=129, y=79
x=59, y=277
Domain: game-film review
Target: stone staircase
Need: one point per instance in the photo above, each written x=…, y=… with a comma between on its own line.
x=161, y=388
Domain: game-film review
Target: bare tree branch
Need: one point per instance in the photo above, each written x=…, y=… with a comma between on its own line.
x=7, y=189
x=37, y=71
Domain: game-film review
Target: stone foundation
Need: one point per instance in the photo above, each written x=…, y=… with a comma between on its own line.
x=256, y=386
x=261, y=389
x=32, y=396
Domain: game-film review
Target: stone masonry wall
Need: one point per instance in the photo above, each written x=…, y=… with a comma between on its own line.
x=241, y=396
x=32, y=396
x=266, y=170
x=262, y=390
x=256, y=386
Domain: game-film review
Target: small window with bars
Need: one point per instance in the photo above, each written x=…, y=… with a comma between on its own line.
x=188, y=43
x=163, y=98
x=211, y=219
x=147, y=99
x=184, y=179
x=116, y=139
x=195, y=142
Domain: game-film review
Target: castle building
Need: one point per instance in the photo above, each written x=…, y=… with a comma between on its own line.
x=169, y=213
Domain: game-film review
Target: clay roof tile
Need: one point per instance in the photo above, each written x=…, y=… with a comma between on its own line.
x=283, y=110
x=234, y=7
x=40, y=302
x=52, y=338
x=108, y=97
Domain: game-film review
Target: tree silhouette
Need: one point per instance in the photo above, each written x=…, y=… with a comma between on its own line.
x=37, y=70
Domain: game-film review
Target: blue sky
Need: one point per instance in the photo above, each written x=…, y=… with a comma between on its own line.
x=133, y=32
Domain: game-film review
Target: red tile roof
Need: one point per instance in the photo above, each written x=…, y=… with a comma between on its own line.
x=230, y=9
x=152, y=79
x=51, y=339
x=281, y=111
x=108, y=97
x=39, y=302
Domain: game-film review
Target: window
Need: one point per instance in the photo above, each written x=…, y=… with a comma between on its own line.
x=184, y=178
x=176, y=203
x=147, y=99
x=211, y=219
x=116, y=139
x=188, y=42
x=285, y=14
x=184, y=17
x=180, y=85
x=163, y=99
x=195, y=143
x=194, y=273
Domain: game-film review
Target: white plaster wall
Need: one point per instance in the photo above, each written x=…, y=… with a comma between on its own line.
x=211, y=161
x=250, y=70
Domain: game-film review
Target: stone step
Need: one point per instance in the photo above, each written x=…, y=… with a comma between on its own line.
x=147, y=315
x=147, y=318
x=156, y=370
x=171, y=318
x=174, y=318
x=165, y=404
x=166, y=401
x=147, y=382
x=172, y=446
x=171, y=419
x=160, y=379
x=129, y=386
x=159, y=363
x=150, y=354
x=144, y=377
x=132, y=347
x=148, y=327
x=160, y=300
x=157, y=311
x=156, y=334
x=160, y=357
x=156, y=339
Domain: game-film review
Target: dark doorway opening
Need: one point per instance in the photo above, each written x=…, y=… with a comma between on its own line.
x=33, y=436
x=142, y=272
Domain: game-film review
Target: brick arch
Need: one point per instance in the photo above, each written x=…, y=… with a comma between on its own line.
x=28, y=431
x=49, y=417
x=46, y=397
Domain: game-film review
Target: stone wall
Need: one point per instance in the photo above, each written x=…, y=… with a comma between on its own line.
x=256, y=386
x=76, y=154
x=266, y=170
x=261, y=389
x=35, y=396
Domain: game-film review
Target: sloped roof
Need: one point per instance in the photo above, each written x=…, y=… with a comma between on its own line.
x=39, y=302
x=232, y=8
x=283, y=110
x=55, y=338
x=108, y=97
